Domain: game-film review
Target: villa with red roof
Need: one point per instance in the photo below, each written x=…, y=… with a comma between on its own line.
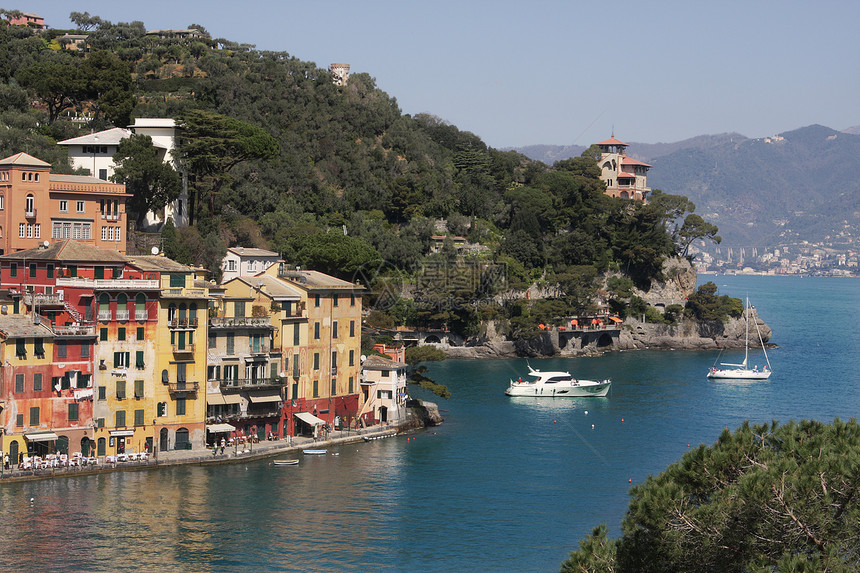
x=625, y=177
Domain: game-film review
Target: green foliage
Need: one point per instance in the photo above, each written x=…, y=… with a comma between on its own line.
x=704, y=304
x=152, y=183
x=767, y=497
x=416, y=354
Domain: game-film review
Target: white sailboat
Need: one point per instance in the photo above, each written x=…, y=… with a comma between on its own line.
x=742, y=371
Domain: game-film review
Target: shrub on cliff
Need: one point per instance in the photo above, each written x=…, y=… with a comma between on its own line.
x=704, y=304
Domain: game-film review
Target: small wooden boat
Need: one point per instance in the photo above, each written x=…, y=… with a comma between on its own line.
x=314, y=452
x=285, y=462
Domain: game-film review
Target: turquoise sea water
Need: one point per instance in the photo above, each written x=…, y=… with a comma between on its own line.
x=503, y=485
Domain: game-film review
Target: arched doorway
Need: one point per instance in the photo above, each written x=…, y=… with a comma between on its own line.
x=182, y=442
x=85, y=447
x=162, y=441
x=101, y=447
x=13, y=453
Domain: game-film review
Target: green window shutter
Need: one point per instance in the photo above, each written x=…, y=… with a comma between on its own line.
x=34, y=416
x=102, y=392
x=120, y=334
x=138, y=359
x=99, y=272
x=295, y=365
x=296, y=337
x=138, y=388
x=120, y=390
x=177, y=281
x=100, y=422
x=349, y=391
x=20, y=347
x=316, y=388
x=316, y=360
x=19, y=383
x=180, y=407
x=138, y=417
x=120, y=419
x=140, y=334
x=333, y=386
x=103, y=334
x=73, y=412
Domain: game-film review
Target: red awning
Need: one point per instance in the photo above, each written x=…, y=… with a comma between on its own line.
x=615, y=319
x=594, y=321
x=574, y=322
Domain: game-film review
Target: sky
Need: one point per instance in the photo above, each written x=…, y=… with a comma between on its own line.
x=556, y=72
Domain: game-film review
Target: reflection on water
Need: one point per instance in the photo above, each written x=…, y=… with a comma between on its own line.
x=506, y=484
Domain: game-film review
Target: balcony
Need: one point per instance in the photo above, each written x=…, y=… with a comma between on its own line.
x=181, y=323
x=244, y=383
x=74, y=330
x=122, y=315
x=179, y=387
x=110, y=216
x=140, y=315
x=244, y=321
x=30, y=213
x=184, y=349
x=43, y=299
x=105, y=316
x=262, y=348
x=108, y=284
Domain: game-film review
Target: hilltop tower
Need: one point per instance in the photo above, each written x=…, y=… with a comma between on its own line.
x=339, y=73
x=625, y=177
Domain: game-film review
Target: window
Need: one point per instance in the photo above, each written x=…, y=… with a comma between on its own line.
x=352, y=300
x=22, y=230
x=213, y=341
x=333, y=386
x=231, y=339
x=39, y=347
x=104, y=233
x=29, y=231
x=102, y=392
x=295, y=365
x=31, y=204
x=316, y=331
x=2, y=201
x=334, y=361
x=239, y=309
x=351, y=328
x=110, y=233
x=103, y=333
x=161, y=409
x=231, y=265
x=73, y=412
x=20, y=348
x=138, y=417
x=37, y=382
x=64, y=206
x=177, y=280
x=180, y=406
x=386, y=373
x=334, y=300
x=138, y=360
x=13, y=270
x=50, y=271
x=19, y=420
x=34, y=416
x=120, y=333
x=120, y=389
x=116, y=234
x=138, y=388
x=61, y=348
x=120, y=359
x=352, y=357
x=19, y=383
x=32, y=270
x=316, y=389
x=316, y=360
x=37, y=230
x=80, y=206
x=140, y=334
x=120, y=419
x=296, y=336
x=317, y=300
x=334, y=329
x=85, y=349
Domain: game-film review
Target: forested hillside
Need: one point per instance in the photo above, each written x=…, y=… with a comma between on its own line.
x=338, y=178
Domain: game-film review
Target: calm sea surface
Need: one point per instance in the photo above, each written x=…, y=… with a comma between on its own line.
x=504, y=485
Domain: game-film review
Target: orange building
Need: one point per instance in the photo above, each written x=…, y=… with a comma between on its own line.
x=625, y=177
x=37, y=206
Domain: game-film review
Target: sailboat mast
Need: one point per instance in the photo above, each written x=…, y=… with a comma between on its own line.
x=747, y=339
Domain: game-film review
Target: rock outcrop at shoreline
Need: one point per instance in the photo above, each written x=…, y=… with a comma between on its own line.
x=634, y=334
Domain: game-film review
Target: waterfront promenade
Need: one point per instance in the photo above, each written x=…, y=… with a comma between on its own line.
x=236, y=453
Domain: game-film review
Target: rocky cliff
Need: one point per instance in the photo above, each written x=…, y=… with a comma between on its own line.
x=633, y=334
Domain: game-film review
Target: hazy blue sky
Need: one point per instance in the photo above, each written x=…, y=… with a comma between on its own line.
x=555, y=72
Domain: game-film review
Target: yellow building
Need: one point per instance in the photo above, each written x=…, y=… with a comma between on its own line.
x=327, y=386
x=173, y=403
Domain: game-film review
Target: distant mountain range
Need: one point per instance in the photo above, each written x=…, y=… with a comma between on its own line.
x=797, y=186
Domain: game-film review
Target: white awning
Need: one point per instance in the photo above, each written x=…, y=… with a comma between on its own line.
x=261, y=398
x=41, y=436
x=309, y=418
x=215, y=399
x=232, y=399
x=218, y=428
x=121, y=433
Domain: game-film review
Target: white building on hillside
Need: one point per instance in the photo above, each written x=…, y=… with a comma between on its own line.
x=247, y=261
x=95, y=152
x=383, y=383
